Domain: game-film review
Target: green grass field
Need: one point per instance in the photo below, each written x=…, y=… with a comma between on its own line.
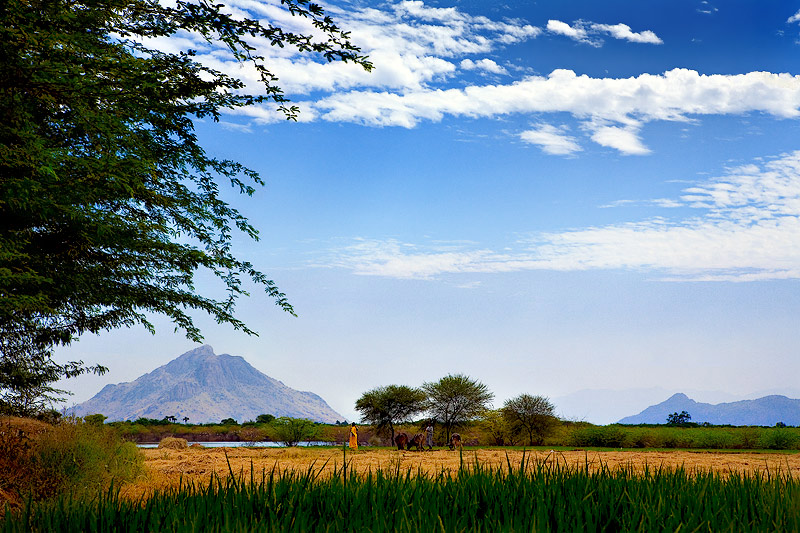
x=531, y=497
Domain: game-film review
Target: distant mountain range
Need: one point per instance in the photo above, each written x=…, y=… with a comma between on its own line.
x=766, y=411
x=206, y=387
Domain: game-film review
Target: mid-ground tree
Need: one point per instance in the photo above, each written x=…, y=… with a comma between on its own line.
x=384, y=407
x=292, y=431
x=265, y=418
x=532, y=416
x=455, y=400
x=109, y=205
x=497, y=427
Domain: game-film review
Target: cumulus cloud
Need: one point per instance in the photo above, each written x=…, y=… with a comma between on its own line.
x=420, y=52
x=612, y=109
x=747, y=228
x=623, y=32
x=552, y=140
x=588, y=32
x=485, y=64
x=576, y=33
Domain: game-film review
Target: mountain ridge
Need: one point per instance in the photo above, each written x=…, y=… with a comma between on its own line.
x=764, y=411
x=206, y=387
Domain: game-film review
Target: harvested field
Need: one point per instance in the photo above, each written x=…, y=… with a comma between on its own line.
x=166, y=468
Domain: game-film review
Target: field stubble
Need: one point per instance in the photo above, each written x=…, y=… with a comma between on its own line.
x=170, y=468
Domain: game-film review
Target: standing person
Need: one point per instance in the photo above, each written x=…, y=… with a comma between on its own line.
x=429, y=435
x=353, y=437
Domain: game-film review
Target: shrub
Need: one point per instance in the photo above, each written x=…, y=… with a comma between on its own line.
x=598, y=436
x=715, y=439
x=73, y=456
x=778, y=439
x=291, y=431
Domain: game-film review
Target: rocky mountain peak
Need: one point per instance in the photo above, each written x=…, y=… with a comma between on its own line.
x=206, y=387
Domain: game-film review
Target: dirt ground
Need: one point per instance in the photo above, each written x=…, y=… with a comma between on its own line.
x=166, y=467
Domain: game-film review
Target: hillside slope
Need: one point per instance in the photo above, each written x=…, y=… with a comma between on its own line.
x=766, y=411
x=206, y=387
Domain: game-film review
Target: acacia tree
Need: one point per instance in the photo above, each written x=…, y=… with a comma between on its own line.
x=393, y=404
x=456, y=399
x=291, y=431
x=108, y=203
x=532, y=415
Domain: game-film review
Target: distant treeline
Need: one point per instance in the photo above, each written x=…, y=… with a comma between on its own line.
x=485, y=433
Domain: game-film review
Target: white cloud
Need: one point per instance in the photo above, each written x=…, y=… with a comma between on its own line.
x=551, y=139
x=623, y=31
x=623, y=139
x=794, y=18
x=483, y=64
x=585, y=32
x=419, y=53
x=747, y=228
x=576, y=33
x=611, y=108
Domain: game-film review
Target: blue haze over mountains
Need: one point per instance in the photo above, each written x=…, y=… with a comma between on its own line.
x=600, y=406
x=766, y=411
x=206, y=387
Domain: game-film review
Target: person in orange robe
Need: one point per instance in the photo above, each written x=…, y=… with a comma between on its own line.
x=353, y=437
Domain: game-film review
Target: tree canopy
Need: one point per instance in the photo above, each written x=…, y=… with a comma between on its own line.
x=456, y=399
x=531, y=415
x=109, y=205
x=393, y=404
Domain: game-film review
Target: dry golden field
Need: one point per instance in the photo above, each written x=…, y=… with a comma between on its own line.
x=166, y=467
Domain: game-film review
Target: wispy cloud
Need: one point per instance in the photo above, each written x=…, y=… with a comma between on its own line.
x=485, y=64
x=624, y=32
x=706, y=8
x=794, y=18
x=589, y=32
x=624, y=139
x=421, y=52
x=552, y=140
x=747, y=228
x=613, y=110
x=576, y=33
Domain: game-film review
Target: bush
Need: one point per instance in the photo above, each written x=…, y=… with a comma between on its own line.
x=598, y=437
x=73, y=456
x=778, y=439
x=291, y=431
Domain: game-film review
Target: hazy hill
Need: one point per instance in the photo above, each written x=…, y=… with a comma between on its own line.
x=206, y=388
x=766, y=411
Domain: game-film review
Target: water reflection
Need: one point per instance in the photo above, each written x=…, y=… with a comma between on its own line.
x=244, y=444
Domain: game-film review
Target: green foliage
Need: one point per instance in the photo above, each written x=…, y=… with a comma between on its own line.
x=95, y=420
x=495, y=425
x=532, y=416
x=456, y=399
x=27, y=371
x=393, y=404
x=678, y=419
x=291, y=431
x=529, y=497
x=73, y=456
x=229, y=422
x=109, y=206
x=598, y=436
x=779, y=438
x=264, y=419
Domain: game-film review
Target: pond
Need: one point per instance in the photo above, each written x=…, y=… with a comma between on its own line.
x=245, y=444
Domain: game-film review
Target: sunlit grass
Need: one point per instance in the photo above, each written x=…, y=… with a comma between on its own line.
x=531, y=495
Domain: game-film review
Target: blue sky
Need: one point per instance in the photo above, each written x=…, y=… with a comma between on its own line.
x=547, y=196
